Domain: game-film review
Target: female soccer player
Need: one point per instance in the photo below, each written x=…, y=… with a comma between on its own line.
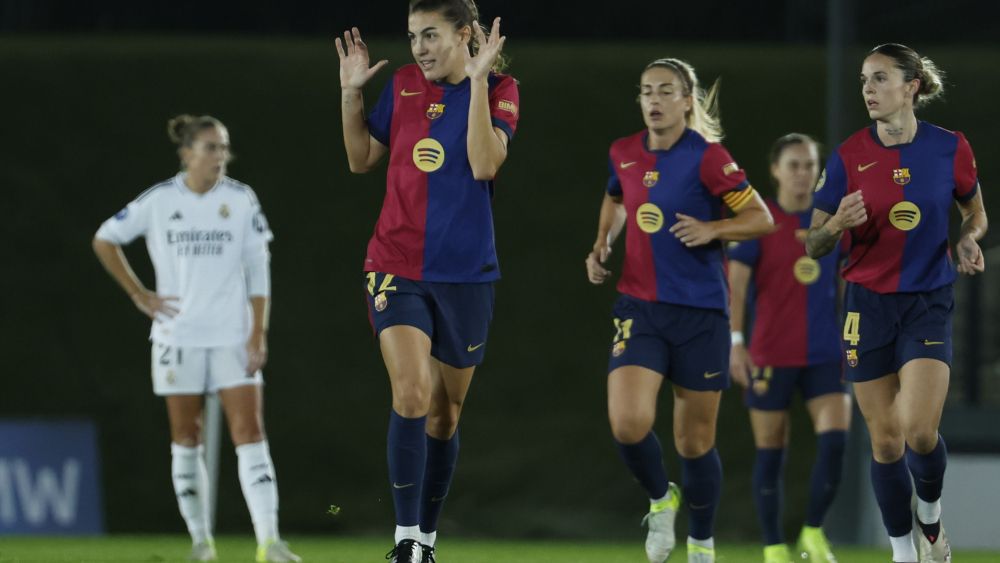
x=207, y=238
x=668, y=183
x=794, y=346
x=891, y=185
x=445, y=122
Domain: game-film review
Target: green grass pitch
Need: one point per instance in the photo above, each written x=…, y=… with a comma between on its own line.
x=157, y=549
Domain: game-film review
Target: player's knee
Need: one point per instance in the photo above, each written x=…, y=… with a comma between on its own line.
x=887, y=447
x=691, y=446
x=411, y=401
x=442, y=425
x=630, y=428
x=922, y=441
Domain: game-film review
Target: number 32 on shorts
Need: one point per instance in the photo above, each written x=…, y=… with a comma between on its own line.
x=852, y=328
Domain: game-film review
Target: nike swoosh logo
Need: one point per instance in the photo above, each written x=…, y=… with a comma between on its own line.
x=866, y=166
x=713, y=374
x=398, y=486
x=472, y=348
x=625, y=165
x=403, y=92
x=932, y=343
x=438, y=499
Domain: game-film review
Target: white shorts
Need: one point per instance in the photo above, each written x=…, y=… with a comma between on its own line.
x=190, y=370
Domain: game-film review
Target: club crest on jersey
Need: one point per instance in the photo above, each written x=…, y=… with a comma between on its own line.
x=618, y=349
x=649, y=218
x=428, y=155
x=507, y=106
x=901, y=176
x=224, y=211
x=435, y=111
x=806, y=270
x=905, y=216
x=852, y=357
x=381, y=302
x=650, y=178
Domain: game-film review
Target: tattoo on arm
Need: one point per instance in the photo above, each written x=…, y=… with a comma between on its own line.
x=820, y=241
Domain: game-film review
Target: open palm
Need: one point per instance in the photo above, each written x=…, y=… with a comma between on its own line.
x=354, y=69
x=489, y=49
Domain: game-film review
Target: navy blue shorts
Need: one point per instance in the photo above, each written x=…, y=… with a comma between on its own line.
x=771, y=388
x=687, y=345
x=455, y=316
x=884, y=331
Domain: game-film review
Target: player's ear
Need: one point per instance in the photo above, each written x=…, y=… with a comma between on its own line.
x=465, y=34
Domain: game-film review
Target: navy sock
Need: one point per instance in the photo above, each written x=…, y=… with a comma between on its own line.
x=702, y=489
x=825, y=475
x=928, y=470
x=893, y=488
x=407, y=453
x=645, y=460
x=442, y=455
x=768, y=491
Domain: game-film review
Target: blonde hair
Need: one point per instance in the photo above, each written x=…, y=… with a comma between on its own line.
x=915, y=67
x=183, y=128
x=703, y=116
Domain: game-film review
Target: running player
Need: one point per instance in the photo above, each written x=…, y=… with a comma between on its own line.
x=668, y=183
x=794, y=345
x=445, y=122
x=208, y=241
x=891, y=185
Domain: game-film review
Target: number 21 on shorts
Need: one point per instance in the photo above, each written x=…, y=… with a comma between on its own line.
x=852, y=328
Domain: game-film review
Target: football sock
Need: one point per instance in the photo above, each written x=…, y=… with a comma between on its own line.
x=645, y=460
x=928, y=479
x=260, y=488
x=407, y=455
x=768, y=492
x=702, y=488
x=190, y=477
x=825, y=475
x=892, y=491
x=442, y=456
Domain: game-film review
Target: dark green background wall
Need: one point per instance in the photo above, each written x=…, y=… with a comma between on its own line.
x=83, y=132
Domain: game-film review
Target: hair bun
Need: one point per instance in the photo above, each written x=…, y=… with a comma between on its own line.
x=177, y=126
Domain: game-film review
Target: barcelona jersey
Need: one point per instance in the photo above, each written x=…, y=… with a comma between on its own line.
x=436, y=222
x=908, y=190
x=692, y=177
x=795, y=311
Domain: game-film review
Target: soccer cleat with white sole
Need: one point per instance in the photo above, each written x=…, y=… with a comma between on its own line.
x=276, y=551
x=203, y=551
x=660, y=540
x=699, y=554
x=406, y=551
x=777, y=553
x=937, y=552
x=428, y=554
x=814, y=547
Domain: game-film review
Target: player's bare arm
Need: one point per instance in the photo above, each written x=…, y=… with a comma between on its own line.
x=974, y=226
x=825, y=230
x=740, y=365
x=609, y=226
x=752, y=220
x=363, y=151
x=486, y=144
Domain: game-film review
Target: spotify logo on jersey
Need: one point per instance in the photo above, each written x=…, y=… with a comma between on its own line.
x=428, y=155
x=905, y=216
x=806, y=270
x=649, y=218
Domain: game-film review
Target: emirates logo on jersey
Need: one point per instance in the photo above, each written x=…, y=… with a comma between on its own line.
x=435, y=111
x=901, y=176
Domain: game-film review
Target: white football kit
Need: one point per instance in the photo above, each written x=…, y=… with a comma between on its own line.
x=210, y=251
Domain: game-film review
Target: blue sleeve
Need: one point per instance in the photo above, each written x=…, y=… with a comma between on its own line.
x=380, y=118
x=614, y=184
x=832, y=185
x=746, y=252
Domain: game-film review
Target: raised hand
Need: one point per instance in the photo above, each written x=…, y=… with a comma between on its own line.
x=478, y=67
x=354, y=69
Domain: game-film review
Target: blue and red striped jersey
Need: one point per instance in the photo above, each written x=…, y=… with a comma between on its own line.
x=691, y=177
x=436, y=222
x=908, y=190
x=795, y=305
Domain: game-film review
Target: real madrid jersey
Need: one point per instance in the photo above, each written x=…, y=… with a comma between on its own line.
x=198, y=244
x=795, y=304
x=436, y=222
x=908, y=190
x=692, y=177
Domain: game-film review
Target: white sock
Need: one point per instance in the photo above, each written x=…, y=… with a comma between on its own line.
x=661, y=499
x=190, y=477
x=902, y=548
x=260, y=489
x=928, y=512
x=707, y=544
x=428, y=538
x=408, y=533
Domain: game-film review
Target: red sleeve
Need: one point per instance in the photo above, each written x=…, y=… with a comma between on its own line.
x=719, y=172
x=966, y=177
x=505, y=104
